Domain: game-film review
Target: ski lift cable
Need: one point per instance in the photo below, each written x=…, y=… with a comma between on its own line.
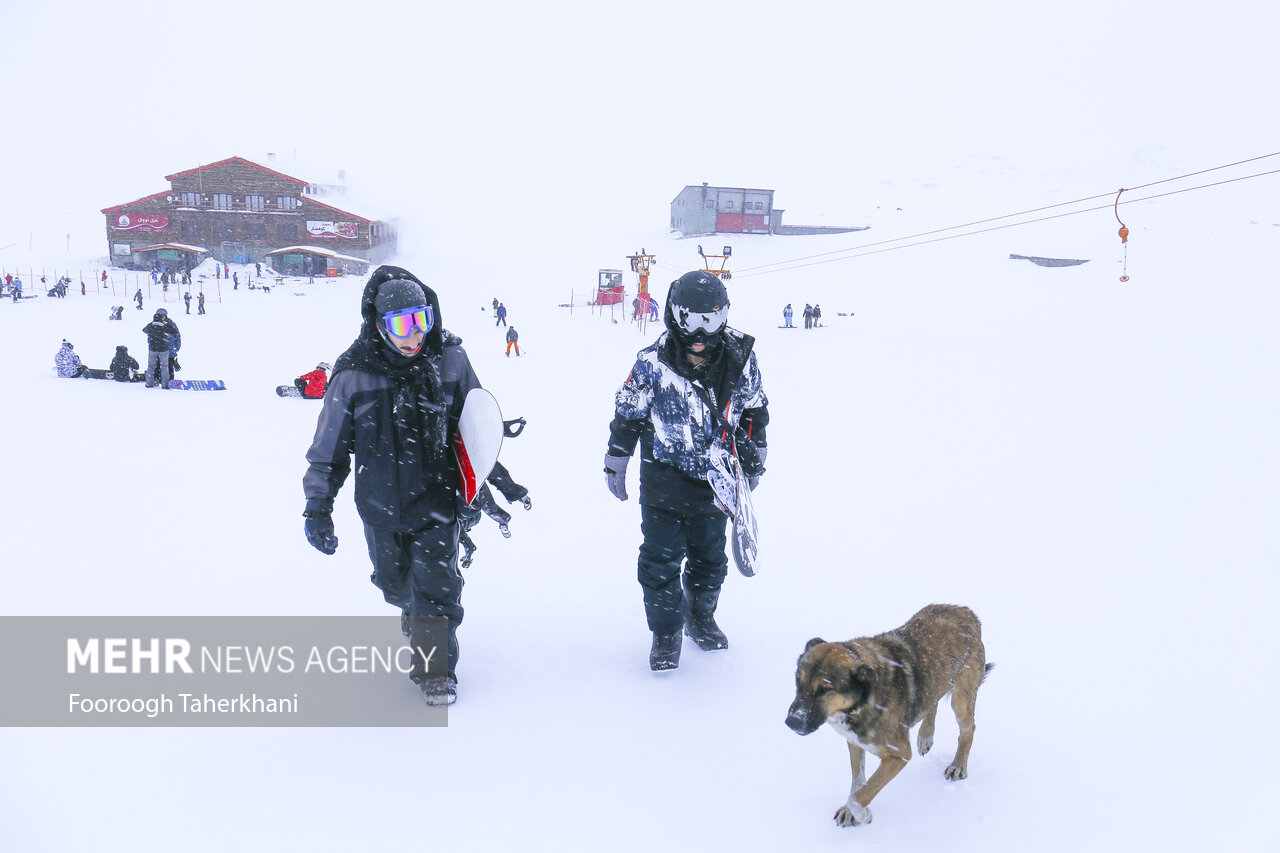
x=1010, y=215
x=761, y=271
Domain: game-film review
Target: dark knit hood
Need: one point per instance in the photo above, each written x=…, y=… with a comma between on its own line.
x=418, y=391
x=434, y=342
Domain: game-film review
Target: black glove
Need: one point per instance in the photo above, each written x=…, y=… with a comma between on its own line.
x=319, y=529
x=752, y=482
x=615, y=475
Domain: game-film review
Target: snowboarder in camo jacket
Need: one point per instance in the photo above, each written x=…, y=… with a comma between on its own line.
x=684, y=394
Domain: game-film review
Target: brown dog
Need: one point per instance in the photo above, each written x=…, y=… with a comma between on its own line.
x=874, y=689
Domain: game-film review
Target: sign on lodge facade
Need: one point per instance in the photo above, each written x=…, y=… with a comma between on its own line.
x=238, y=212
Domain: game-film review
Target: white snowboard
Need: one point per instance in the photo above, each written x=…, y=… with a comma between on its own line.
x=478, y=440
x=733, y=497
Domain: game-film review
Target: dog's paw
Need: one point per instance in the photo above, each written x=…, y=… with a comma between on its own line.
x=956, y=772
x=924, y=744
x=852, y=817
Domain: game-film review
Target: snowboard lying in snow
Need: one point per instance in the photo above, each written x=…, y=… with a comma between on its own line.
x=292, y=391
x=197, y=385
x=98, y=373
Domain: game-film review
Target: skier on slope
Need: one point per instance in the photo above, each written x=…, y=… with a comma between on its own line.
x=686, y=391
x=394, y=401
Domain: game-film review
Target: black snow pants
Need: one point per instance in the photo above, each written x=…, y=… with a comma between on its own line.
x=670, y=539
x=418, y=571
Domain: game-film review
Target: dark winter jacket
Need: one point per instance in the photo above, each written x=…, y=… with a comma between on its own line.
x=123, y=365
x=397, y=416
x=158, y=334
x=511, y=335
x=659, y=406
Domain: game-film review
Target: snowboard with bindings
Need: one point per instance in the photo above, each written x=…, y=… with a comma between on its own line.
x=98, y=373
x=733, y=497
x=478, y=440
x=197, y=385
x=292, y=391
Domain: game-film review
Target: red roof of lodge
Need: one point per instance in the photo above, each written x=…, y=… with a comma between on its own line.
x=235, y=160
x=337, y=209
x=136, y=201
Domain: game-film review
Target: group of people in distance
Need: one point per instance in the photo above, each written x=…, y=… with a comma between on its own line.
x=812, y=316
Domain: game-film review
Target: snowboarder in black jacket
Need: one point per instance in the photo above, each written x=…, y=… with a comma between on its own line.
x=393, y=402
x=666, y=405
x=160, y=333
x=123, y=366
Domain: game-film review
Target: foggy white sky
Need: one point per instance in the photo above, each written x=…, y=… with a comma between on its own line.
x=446, y=106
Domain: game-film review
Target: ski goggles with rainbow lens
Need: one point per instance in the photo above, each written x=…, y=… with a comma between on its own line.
x=401, y=323
x=690, y=321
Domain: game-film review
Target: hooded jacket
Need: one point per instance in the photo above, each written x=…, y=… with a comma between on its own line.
x=397, y=416
x=160, y=334
x=66, y=361
x=123, y=365
x=315, y=382
x=660, y=406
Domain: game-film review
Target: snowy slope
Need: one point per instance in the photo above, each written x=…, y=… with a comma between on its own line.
x=1089, y=465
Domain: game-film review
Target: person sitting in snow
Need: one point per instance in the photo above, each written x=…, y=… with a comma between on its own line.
x=124, y=366
x=67, y=363
x=312, y=384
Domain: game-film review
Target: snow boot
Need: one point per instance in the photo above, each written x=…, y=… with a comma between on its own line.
x=440, y=690
x=699, y=619
x=665, y=651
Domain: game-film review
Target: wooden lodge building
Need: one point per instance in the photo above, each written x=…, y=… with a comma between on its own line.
x=240, y=212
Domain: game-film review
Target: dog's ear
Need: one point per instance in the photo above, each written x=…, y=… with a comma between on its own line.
x=815, y=641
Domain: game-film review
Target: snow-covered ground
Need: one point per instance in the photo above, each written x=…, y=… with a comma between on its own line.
x=1090, y=465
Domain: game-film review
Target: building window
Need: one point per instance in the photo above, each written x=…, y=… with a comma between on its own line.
x=191, y=231
x=728, y=205
x=222, y=201
x=287, y=233
x=255, y=230
x=289, y=203
x=759, y=205
x=191, y=199
x=255, y=202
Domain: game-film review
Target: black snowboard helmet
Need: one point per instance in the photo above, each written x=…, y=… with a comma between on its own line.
x=697, y=310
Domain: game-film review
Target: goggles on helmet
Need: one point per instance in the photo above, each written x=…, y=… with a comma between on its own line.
x=689, y=322
x=401, y=323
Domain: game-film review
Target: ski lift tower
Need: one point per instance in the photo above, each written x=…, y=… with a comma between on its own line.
x=641, y=263
x=720, y=273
